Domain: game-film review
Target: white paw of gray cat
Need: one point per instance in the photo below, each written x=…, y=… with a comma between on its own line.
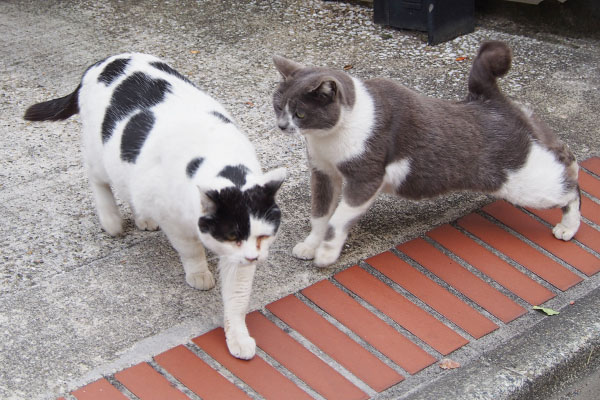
x=325, y=256
x=146, y=224
x=201, y=280
x=563, y=232
x=243, y=347
x=303, y=251
x=112, y=224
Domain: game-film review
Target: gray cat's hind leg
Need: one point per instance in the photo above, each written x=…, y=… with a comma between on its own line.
x=571, y=219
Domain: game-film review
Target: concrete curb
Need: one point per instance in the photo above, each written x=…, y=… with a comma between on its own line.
x=533, y=365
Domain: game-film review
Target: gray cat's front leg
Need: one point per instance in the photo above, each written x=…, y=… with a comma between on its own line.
x=359, y=195
x=343, y=219
x=236, y=286
x=325, y=191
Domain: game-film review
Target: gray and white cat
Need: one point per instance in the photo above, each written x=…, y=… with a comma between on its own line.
x=364, y=137
x=174, y=154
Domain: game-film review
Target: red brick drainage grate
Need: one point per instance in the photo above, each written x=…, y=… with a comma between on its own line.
x=313, y=343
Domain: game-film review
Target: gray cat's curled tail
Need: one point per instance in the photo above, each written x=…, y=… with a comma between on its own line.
x=54, y=110
x=492, y=61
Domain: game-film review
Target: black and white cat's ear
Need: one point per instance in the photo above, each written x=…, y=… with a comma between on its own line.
x=207, y=200
x=286, y=67
x=273, y=179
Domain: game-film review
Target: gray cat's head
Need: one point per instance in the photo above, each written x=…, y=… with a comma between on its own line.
x=309, y=99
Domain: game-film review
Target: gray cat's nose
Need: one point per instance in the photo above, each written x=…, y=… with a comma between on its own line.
x=283, y=125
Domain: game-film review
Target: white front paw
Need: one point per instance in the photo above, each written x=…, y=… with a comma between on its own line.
x=303, y=251
x=112, y=224
x=201, y=280
x=563, y=232
x=146, y=224
x=243, y=347
x=326, y=255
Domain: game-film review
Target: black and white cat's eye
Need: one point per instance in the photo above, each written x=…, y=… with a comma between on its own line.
x=260, y=239
x=232, y=238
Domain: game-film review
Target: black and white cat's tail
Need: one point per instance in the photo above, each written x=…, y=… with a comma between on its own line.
x=54, y=110
x=492, y=61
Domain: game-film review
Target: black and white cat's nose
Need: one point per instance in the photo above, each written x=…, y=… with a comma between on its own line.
x=251, y=259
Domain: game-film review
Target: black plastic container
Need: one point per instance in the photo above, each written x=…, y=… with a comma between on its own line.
x=441, y=19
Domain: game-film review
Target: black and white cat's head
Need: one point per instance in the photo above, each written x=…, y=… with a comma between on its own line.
x=240, y=221
x=310, y=100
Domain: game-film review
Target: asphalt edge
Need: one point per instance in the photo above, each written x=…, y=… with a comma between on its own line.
x=533, y=365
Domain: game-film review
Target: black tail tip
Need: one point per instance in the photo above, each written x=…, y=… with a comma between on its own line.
x=497, y=55
x=35, y=113
x=54, y=110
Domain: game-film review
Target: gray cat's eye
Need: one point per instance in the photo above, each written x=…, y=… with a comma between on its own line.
x=300, y=114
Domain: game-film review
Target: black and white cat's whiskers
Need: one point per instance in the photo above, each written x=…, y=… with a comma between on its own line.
x=175, y=156
x=366, y=137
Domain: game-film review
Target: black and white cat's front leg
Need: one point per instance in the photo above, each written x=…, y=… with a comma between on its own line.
x=236, y=287
x=325, y=191
x=193, y=257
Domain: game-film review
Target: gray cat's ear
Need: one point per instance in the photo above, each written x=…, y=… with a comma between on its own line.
x=327, y=88
x=285, y=66
x=207, y=201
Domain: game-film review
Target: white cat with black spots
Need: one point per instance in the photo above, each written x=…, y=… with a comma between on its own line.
x=175, y=156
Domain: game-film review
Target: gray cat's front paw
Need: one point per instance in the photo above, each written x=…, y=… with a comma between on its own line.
x=201, y=280
x=243, y=347
x=326, y=255
x=303, y=251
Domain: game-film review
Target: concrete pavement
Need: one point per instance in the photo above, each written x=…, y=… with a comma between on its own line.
x=76, y=304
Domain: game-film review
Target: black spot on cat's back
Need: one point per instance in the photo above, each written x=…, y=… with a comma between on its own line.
x=113, y=70
x=138, y=92
x=221, y=117
x=236, y=174
x=134, y=135
x=193, y=166
x=167, y=68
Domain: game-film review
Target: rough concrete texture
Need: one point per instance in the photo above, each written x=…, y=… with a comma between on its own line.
x=76, y=303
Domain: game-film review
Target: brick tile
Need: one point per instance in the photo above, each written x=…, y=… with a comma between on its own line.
x=490, y=264
x=585, y=235
x=589, y=184
x=256, y=373
x=197, y=375
x=147, y=384
x=335, y=343
x=301, y=362
x=592, y=164
x=543, y=237
x=99, y=390
x=433, y=294
x=462, y=280
x=590, y=210
x=368, y=326
x=527, y=256
x=401, y=310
